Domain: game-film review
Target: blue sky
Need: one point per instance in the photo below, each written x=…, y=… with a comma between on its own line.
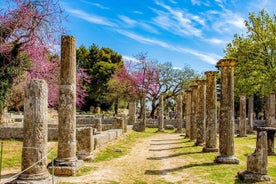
x=183, y=32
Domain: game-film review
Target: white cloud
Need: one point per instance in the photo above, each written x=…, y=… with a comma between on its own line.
x=95, y=4
x=200, y=2
x=209, y=58
x=90, y=18
x=215, y=41
x=148, y=28
x=138, y=12
x=195, y=2
x=130, y=59
x=177, y=21
x=225, y=22
x=173, y=2
x=128, y=20
x=100, y=6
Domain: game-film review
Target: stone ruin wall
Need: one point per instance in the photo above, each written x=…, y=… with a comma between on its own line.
x=15, y=130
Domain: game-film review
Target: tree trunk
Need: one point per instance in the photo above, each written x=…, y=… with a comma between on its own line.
x=266, y=111
x=1, y=114
x=153, y=109
x=116, y=106
x=251, y=113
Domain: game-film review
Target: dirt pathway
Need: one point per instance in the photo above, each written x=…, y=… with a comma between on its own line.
x=152, y=161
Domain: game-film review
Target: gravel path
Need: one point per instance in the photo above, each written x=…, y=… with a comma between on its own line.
x=152, y=160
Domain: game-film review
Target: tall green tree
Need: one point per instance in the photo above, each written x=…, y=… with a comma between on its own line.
x=100, y=64
x=255, y=53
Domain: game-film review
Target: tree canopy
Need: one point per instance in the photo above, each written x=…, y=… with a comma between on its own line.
x=255, y=53
x=100, y=64
x=28, y=30
x=146, y=77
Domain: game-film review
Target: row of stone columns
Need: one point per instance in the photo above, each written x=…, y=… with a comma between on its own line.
x=201, y=113
x=211, y=112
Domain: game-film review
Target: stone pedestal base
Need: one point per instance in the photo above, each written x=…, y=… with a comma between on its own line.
x=199, y=143
x=227, y=160
x=64, y=168
x=207, y=150
x=241, y=135
x=160, y=130
x=139, y=127
x=84, y=156
x=179, y=131
x=44, y=178
x=252, y=177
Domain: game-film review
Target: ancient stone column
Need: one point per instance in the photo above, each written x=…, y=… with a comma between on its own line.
x=132, y=112
x=201, y=112
x=179, y=114
x=142, y=124
x=188, y=113
x=271, y=123
x=257, y=162
x=226, y=128
x=125, y=122
x=193, y=113
x=85, y=143
x=35, y=134
x=66, y=162
x=271, y=120
x=242, y=121
x=118, y=123
x=250, y=113
x=211, y=112
x=161, y=114
x=98, y=125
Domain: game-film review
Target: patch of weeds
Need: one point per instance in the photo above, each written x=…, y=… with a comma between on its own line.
x=140, y=182
x=107, y=154
x=114, y=182
x=167, y=182
x=83, y=170
x=124, y=145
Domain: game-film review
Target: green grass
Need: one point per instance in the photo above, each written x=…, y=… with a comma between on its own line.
x=202, y=166
x=125, y=145
x=11, y=154
x=84, y=170
x=196, y=164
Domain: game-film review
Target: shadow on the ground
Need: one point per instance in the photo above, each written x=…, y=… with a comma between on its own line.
x=238, y=181
x=164, y=149
x=173, y=155
x=168, y=143
x=165, y=171
x=165, y=139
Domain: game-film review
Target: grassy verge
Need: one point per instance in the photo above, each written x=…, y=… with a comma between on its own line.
x=122, y=146
x=12, y=154
x=202, y=167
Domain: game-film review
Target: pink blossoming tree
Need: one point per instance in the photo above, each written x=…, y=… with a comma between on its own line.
x=29, y=32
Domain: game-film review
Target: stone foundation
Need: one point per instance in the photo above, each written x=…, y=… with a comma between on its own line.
x=65, y=168
x=251, y=177
x=227, y=160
